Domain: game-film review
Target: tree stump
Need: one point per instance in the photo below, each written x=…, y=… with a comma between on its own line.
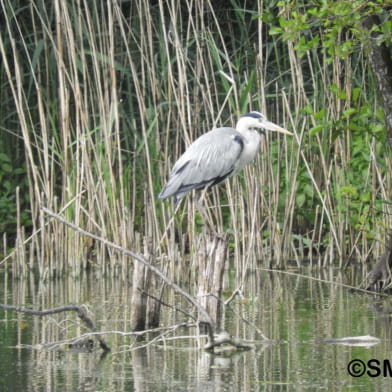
x=212, y=258
x=380, y=276
x=145, y=288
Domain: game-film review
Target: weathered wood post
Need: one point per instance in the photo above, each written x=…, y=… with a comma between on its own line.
x=144, y=308
x=379, y=278
x=212, y=258
x=138, y=299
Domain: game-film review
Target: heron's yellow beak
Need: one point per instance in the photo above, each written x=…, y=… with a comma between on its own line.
x=273, y=127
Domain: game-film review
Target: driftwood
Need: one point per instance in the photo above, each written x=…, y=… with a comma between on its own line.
x=74, y=308
x=225, y=339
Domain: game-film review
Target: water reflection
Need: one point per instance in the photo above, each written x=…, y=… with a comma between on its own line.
x=298, y=314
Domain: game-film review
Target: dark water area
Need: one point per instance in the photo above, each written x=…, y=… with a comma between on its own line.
x=297, y=313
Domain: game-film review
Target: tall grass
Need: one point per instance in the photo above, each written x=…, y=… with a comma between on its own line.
x=103, y=97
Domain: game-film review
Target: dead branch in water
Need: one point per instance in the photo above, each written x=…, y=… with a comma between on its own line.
x=213, y=339
x=225, y=339
x=140, y=258
x=74, y=308
x=206, y=317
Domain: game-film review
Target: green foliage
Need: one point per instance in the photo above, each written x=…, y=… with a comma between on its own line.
x=356, y=200
x=10, y=178
x=321, y=24
x=346, y=129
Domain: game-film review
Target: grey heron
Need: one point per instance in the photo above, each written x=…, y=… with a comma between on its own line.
x=217, y=155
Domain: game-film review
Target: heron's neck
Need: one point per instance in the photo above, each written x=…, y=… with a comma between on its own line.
x=252, y=141
x=250, y=135
x=242, y=126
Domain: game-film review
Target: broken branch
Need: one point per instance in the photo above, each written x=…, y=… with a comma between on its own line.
x=74, y=308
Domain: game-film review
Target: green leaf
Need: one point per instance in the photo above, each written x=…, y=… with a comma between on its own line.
x=341, y=94
x=275, y=30
x=5, y=167
x=349, y=112
x=356, y=93
x=300, y=199
x=315, y=130
x=4, y=157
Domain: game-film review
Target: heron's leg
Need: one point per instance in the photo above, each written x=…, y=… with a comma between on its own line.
x=205, y=214
x=171, y=220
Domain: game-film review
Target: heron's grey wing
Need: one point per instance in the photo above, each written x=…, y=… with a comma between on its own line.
x=209, y=160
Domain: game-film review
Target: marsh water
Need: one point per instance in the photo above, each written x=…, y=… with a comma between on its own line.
x=297, y=313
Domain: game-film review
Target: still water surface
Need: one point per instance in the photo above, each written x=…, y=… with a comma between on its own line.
x=297, y=313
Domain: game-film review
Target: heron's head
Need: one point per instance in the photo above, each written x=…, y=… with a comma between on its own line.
x=258, y=120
